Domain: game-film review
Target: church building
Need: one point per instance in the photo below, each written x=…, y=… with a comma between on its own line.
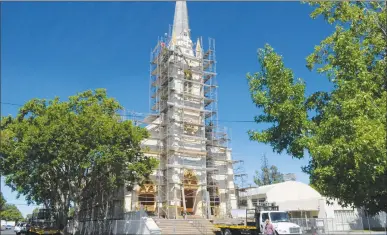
x=195, y=175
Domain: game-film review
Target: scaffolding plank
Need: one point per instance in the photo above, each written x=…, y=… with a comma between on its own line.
x=189, y=167
x=211, y=143
x=185, y=122
x=190, y=95
x=207, y=53
x=207, y=76
x=190, y=136
x=190, y=152
x=187, y=107
x=209, y=114
x=207, y=64
x=197, y=82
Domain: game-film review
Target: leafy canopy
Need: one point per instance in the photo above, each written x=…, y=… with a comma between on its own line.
x=11, y=213
x=2, y=201
x=54, y=149
x=343, y=130
x=28, y=216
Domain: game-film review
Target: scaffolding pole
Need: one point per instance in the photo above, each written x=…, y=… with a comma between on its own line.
x=192, y=148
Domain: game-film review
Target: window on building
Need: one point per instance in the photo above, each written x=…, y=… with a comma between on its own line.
x=243, y=203
x=254, y=202
x=261, y=201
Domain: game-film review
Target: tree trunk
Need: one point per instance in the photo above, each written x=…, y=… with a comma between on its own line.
x=74, y=225
x=62, y=208
x=62, y=216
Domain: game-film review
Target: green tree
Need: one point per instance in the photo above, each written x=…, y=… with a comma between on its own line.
x=11, y=213
x=2, y=201
x=268, y=174
x=343, y=130
x=56, y=149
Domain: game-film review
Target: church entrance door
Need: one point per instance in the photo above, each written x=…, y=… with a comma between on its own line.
x=190, y=185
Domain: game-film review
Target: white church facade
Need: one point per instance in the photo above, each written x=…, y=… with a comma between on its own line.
x=195, y=175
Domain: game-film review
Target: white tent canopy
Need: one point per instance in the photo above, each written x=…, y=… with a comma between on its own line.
x=288, y=195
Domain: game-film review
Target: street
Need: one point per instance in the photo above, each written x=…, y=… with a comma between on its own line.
x=7, y=232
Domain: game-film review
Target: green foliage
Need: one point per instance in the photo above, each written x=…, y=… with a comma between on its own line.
x=11, y=213
x=268, y=174
x=55, y=149
x=2, y=201
x=71, y=212
x=344, y=130
x=282, y=102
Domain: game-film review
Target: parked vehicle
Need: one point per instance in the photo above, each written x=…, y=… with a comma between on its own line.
x=254, y=222
x=21, y=228
x=18, y=228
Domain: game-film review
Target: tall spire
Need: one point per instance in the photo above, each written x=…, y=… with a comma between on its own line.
x=180, y=21
x=198, y=49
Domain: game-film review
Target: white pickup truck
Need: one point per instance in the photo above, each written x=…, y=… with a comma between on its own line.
x=252, y=222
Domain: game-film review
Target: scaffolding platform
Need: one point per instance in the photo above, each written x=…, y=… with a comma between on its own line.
x=183, y=92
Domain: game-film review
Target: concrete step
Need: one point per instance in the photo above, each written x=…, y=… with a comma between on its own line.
x=194, y=217
x=184, y=227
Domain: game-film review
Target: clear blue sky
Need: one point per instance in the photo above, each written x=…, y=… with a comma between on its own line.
x=60, y=48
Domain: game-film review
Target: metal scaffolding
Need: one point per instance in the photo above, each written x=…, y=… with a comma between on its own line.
x=185, y=136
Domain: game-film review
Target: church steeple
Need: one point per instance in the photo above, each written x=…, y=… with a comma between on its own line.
x=180, y=21
x=180, y=31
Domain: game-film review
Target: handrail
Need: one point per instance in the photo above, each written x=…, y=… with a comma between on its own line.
x=197, y=224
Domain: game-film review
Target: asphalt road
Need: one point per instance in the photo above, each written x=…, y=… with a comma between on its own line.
x=7, y=232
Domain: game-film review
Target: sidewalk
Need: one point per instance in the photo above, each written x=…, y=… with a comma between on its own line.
x=357, y=233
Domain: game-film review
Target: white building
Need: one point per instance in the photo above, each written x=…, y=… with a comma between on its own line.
x=302, y=202
x=195, y=175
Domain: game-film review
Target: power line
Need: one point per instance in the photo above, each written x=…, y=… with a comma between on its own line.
x=135, y=114
x=20, y=204
x=11, y=104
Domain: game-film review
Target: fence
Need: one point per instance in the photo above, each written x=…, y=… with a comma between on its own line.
x=135, y=215
x=326, y=225
x=334, y=225
x=377, y=222
x=134, y=222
